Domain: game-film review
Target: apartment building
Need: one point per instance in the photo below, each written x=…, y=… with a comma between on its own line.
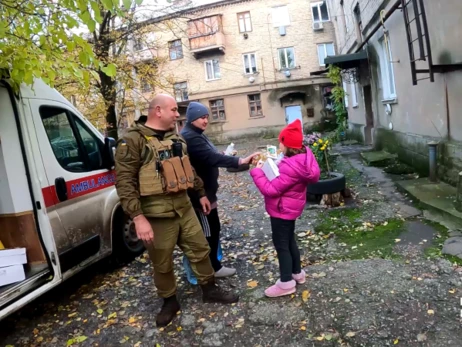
x=402, y=63
x=249, y=61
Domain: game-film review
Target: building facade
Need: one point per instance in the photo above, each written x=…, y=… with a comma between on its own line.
x=401, y=61
x=249, y=61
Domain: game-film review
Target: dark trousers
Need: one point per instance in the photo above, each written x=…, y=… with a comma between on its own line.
x=212, y=227
x=286, y=247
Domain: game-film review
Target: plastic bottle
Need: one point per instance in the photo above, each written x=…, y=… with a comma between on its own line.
x=220, y=252
x=189, y=272
x=229, y=149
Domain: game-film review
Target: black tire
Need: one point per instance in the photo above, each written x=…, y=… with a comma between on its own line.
x=126, y=245
x=335, y=184
x=243, y=167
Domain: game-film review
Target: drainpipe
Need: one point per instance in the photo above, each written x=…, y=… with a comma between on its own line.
x=432, y=152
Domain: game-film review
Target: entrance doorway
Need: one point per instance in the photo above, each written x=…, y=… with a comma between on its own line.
x=293, y=113
x=369, y=115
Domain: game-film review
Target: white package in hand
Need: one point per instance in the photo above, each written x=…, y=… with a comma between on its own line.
x=229, y=149
x=270, y=169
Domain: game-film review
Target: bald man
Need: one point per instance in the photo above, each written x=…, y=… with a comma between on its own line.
x=153, y=175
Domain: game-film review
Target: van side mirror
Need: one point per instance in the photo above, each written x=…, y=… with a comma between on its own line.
x=109, y=153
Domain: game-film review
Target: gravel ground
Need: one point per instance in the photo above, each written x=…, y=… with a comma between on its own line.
x=404, y=299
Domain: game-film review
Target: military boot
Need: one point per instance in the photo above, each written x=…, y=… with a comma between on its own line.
x=168, y=311
x=211, y=292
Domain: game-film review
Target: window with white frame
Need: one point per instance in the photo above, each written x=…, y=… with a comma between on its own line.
x=245, y=23
x=325, y=50
x=354, y=95
x=388, y=77
x=345, y=99
x=280, y=15
x=250, y=63
x=286, y=58
x=212, y=70
x=320, y=11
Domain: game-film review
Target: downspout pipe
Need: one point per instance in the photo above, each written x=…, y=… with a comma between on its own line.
x=432, y=157
x=379, y=25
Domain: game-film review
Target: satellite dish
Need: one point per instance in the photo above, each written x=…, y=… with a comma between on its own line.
x=287, y=73
x=251, y=79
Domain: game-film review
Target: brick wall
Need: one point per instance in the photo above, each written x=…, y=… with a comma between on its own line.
x=264, y=40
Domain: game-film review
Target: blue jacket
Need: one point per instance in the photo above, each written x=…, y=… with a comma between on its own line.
x=206, y=160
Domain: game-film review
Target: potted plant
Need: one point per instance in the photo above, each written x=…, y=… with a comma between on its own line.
x=329, y=182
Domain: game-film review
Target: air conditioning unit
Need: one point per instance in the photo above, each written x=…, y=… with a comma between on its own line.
x=317, y=26
x=282, y=31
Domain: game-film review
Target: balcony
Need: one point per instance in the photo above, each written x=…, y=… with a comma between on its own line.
x=206, y=35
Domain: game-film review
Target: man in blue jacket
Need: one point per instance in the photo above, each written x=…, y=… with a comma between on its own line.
x=206, y=160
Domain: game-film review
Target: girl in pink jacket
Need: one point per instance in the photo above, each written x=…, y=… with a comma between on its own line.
x=285, y=199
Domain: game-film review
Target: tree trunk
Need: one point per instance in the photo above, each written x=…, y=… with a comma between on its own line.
x=111, y=121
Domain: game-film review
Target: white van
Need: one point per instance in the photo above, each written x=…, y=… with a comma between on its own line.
x=57, y=194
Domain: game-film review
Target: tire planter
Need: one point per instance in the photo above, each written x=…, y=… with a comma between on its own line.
x=243, y=167
x=336, y=183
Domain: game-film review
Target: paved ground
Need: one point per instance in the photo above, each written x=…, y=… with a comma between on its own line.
x=375, y=279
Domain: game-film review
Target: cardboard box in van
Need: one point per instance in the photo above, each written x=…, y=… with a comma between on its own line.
x=12, y=274
x=14, y=256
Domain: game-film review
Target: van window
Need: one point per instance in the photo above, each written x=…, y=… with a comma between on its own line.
x=75, y=147
x=92, y=145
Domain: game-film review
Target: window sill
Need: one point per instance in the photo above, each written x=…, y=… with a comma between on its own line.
x=218, y=121
x=215, y=79
x=257, y=117
x=391, y=101
x=355, y=106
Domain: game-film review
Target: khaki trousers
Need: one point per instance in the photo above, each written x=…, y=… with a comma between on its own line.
x=186, y=232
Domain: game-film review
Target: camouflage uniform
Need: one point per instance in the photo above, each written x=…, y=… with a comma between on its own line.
x=171, y=215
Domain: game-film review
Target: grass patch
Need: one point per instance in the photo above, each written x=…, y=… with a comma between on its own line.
x=359, y=240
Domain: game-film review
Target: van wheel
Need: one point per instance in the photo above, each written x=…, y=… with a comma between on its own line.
x=126, y=244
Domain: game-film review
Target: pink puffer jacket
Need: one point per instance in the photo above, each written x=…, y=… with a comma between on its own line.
x=285, y=196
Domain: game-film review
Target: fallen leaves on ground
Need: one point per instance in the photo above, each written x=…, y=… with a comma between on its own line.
x=252, y=284
x=306, y=295
x=77, y=339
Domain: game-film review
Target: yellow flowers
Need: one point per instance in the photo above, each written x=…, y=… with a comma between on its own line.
x=320, y=141
x=315, y=144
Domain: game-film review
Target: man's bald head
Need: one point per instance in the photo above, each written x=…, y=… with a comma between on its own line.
x=159, y=100
x=163, y=112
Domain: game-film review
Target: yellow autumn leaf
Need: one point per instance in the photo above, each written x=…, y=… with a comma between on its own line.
x=39, y=339
x=72, y=314
x=179, y=329
x=350, y=334
x=138, y=344
x=100, y=311
x=303, y=328
x=132, y=320
x=395, y=342
x=452, y=291
x=252, y=284
x=319, y=338
x=431, y=312
x=112, y=315
x=306, y=295
x=198, y=331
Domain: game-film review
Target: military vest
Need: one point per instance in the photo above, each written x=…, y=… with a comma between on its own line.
x=166, y=167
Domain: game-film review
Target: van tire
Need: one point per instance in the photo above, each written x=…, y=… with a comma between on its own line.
x=126, y=245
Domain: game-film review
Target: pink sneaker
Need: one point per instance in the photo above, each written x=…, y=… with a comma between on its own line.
x=300, y=278
x=281, y=289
